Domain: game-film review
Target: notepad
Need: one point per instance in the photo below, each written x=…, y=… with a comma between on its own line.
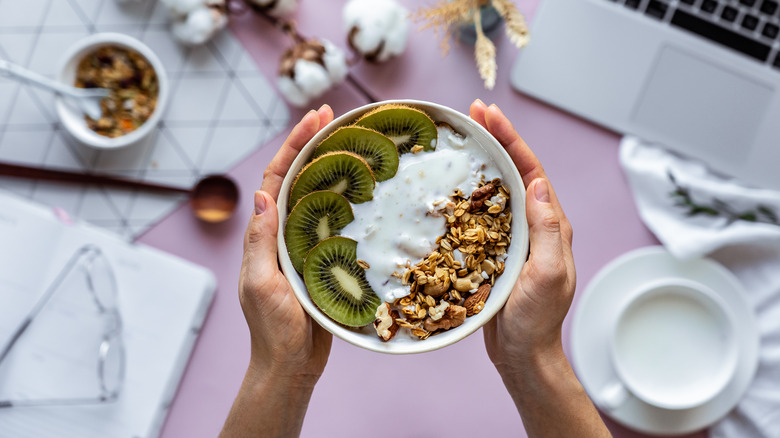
x=163, y=301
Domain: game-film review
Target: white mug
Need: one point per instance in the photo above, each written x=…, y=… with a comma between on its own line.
x=673, y=346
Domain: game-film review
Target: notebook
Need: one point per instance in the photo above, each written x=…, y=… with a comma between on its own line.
x=162, y=301
x=701, y=77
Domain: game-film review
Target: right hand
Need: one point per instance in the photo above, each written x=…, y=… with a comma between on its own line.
x=529, y=326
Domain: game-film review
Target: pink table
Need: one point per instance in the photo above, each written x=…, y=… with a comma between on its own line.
x=450, y=392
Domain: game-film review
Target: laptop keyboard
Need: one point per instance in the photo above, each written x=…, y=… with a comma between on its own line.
x=751, y=27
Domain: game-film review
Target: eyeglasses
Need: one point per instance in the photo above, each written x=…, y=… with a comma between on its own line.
x=89, y=261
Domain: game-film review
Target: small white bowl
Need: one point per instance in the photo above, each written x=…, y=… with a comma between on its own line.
x=73, y=119
x=516, y=254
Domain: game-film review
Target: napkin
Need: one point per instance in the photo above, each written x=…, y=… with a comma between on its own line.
x=696, y=212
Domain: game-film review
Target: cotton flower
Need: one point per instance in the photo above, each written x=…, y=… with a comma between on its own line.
x=309, y=69
x=377, y=28
x=274, y=8
x=196, y=21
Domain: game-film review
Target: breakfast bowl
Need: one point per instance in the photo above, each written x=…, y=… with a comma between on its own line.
x=138, y=84
x=444, y=181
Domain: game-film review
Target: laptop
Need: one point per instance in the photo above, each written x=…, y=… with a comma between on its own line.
x=701, y=77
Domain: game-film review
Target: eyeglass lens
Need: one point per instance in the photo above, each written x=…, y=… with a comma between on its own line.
x=102, y=284
x=101, y=281
x=111, y=366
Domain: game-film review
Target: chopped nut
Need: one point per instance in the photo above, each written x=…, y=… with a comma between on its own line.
x=480, y=195
x=385, y=323
x=436, y=289
x=363, y=264
x=462, y=284
x=469, y=283
x=437, y=312
x=453, y=317
x=488, y=266
x=476, y=302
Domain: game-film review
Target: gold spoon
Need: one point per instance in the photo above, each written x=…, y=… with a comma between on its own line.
x=213, y=199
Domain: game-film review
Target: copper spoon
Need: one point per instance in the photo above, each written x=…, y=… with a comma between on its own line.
x=213, y=199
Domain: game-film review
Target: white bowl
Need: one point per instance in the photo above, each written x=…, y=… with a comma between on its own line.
x=516, y=254
x=73, y=119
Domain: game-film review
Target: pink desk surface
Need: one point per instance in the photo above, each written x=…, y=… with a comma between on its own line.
x=453, y=392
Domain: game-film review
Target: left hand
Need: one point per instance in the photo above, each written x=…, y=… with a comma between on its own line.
x=286, y=343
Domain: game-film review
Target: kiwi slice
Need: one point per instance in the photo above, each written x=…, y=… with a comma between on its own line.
x=405, y=125
x=345, y=173
x=316, y=217
x=337, y=285
x=379, y=151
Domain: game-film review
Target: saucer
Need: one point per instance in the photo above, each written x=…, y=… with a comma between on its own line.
x=596, y=311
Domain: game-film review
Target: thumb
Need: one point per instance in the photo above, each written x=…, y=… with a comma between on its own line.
x=260, y=247
x=544, y=227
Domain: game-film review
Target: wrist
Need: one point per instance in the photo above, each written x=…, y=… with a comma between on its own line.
x=532, y=365
x=272, y=375
x=270, y=403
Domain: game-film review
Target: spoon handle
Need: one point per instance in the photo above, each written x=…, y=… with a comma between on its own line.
x=27, y=172
x=17, y=71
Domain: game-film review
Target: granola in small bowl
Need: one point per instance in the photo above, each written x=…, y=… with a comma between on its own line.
x=138, y=81
x=133, y=84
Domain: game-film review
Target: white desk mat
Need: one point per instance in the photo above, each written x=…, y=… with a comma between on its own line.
x=221, y=108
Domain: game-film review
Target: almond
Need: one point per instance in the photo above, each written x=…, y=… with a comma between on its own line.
x=476, y=302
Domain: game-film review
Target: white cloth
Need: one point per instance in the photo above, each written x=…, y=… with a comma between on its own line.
x=695, y=212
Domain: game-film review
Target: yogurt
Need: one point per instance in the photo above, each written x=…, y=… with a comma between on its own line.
x=399, y=227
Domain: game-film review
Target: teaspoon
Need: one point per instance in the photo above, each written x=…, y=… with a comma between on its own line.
x=88, y=99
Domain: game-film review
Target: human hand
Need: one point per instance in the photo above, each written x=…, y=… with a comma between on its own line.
x=529, y=325
x=286, y=343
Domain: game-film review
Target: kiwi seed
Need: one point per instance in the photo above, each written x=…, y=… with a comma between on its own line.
x=404, y=125
x=379, y=151
x=336, y=283
x=345, y=173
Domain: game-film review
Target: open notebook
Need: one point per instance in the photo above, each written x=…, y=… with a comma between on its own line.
x=162, y=301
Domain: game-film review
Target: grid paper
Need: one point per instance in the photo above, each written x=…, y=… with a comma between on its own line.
x=220, y=109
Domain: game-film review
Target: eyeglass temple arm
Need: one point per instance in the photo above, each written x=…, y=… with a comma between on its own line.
x=43, y=300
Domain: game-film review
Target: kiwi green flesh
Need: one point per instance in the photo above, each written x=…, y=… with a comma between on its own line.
x=406, y=127
x=379, y=151
x=342, y=172
x=314, y=218
x=337, y=285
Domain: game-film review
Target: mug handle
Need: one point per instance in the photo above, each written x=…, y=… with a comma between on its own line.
x=613, y=395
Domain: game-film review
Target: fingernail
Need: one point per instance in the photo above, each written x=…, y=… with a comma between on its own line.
x=259, y=203
x=480, y=103
x=325, y=105
x=309, y=116
x=541, y=191
x=493, y=105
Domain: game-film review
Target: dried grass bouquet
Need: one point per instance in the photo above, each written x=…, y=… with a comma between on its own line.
x=446, y=16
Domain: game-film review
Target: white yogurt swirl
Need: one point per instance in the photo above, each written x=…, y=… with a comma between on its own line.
x=401, y=224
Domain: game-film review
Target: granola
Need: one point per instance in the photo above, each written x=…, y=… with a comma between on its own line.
x=454, y=281
x=133, y=84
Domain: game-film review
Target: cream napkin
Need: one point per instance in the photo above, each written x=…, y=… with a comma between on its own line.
x=695, y=212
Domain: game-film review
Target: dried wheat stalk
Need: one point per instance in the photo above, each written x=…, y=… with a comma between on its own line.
x=485, y=54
